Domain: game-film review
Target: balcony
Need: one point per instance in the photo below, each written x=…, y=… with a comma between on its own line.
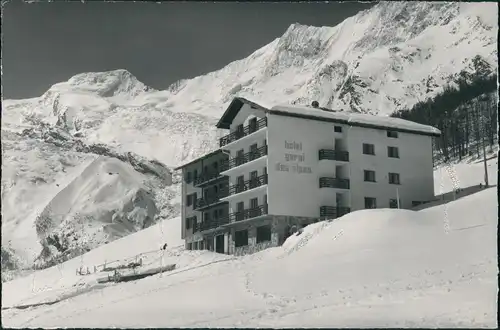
x=206, y=177
x=247, y=185
x=331, y=154
x=207, y=201
x=245, y=158
x=334, y=183
x=333, y=212
x=247, y=214
x=247, y=130
x=210, y=224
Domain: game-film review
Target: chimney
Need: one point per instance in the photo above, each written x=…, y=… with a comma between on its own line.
x=315, y=104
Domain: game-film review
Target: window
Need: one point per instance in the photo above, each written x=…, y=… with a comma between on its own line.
x=195, y=245
x=206, y=216
x=337, y=129
x=190, y=246
x=205, y=169
x=239, y=156
x=369, y=176
x=368, y=149
x=190, y=222
x=254, y=203
x=240, y=207
x=263, y=234
x=392, y=134
x=240, y=238
x=188, y=177
x=265, y=200
x=370, y=203
x=253, y=151
x=191, y=199
x=393, y=152
x=253, y=179
x=223, y=189
x=239, y=131
x=254, y=207
x=195, y=175
x=394, y=178
x=252, y=125
x=240, y=184
x=201, y=245
x=393, y=203
x=215, y=214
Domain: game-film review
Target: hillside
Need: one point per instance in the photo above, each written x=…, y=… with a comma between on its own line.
x=381, y=60
x=371, y=268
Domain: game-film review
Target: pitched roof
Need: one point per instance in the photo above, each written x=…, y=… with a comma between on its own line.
x=323, y=114
x=210, y=154
x=355, y=119
x=233, y=109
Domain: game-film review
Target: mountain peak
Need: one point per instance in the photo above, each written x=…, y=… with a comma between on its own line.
x=118, y=82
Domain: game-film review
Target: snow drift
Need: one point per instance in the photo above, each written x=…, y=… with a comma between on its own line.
x=372, y=268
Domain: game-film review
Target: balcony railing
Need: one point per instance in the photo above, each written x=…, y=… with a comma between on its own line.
x=248, y=213
x=247, y=185
x=210, y=224
x=245, y=158
x=334, y=183
x=205, y=177
x=247, y=130
x=332, y=154
x=333, y=211
x=210, y=199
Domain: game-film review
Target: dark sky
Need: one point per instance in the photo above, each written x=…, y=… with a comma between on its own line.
x=45, y=43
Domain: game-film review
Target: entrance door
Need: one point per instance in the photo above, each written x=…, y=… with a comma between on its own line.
x=210, y=243
x=219, y=243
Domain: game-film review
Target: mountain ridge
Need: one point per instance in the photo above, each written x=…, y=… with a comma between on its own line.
x=385, y=58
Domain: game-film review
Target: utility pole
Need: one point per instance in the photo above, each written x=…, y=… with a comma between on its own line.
x=397, y=196
x=484, y=146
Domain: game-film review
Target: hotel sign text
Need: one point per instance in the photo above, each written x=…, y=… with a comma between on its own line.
x=298, y=157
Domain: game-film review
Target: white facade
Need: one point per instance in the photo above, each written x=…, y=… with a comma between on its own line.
x=260, y=164
x=294, y=168
x=290, y=166
x=297, y=192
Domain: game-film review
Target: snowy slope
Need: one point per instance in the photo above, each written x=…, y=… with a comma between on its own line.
x=372, y=268
x=380, y=60
x=52, y=179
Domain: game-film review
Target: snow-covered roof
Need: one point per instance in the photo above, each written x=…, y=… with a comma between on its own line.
x=205, y=156
x=355, y=119
x=233, y=109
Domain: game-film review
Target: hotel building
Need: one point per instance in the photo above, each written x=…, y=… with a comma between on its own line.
x=282, y=168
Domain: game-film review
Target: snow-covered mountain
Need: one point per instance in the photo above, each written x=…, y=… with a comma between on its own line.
x=107, y=140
